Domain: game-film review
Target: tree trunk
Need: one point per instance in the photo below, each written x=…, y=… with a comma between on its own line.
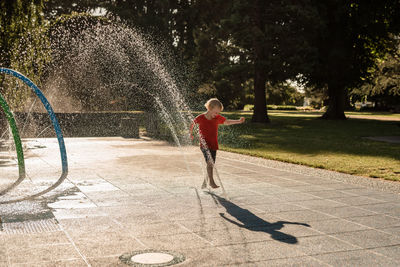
x=336, y=103
x=260, y=103
x=260, y=77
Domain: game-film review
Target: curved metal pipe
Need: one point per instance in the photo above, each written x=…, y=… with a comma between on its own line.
x=57, y=129
x=18, y=145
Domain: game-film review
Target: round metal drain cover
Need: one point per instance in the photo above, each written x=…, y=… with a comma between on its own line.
x=151, y=257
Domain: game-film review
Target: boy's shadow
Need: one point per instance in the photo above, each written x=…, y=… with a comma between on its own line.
x=252, y=222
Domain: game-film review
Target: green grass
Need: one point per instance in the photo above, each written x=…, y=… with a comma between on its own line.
x=302, y=138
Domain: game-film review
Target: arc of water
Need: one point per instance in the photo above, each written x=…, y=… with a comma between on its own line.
x=18, y=145
x=57, y=128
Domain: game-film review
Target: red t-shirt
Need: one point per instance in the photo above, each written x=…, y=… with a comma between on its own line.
x=208, y=130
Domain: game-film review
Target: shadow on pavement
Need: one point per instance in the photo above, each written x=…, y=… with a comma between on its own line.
x=252, y=222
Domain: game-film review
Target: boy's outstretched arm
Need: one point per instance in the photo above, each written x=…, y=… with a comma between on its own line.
x=230, y=122
x=191, y=130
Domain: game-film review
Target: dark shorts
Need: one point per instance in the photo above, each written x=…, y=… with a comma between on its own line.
x=207, y=153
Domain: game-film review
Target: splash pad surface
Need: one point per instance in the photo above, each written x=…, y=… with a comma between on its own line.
x=127, y=195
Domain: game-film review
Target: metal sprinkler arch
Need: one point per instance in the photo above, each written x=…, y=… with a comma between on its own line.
x=18, y=145
x=17, y=140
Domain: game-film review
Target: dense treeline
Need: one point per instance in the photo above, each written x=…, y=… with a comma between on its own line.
x=240, y=50
x=22, y=46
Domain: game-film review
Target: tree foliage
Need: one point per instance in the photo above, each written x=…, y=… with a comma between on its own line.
x=383, y=87
x=332, y=45
x=23, y=45
x=272, y=36
x=56, y=8
x=284, y=94
x=351, y=37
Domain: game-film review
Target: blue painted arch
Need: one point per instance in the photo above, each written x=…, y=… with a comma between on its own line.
x=57, y=128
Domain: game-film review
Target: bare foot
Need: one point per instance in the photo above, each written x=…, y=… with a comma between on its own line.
x=214, y=186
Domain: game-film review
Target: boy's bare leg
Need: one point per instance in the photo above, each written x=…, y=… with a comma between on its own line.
x=204, y=185
x=210, y=169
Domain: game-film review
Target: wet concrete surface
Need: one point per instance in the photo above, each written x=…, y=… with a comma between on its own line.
x=127, y=195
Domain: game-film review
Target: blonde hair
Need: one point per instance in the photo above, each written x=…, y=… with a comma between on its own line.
x=212, y=103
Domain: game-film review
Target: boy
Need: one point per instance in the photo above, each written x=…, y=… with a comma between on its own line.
x=208, y=133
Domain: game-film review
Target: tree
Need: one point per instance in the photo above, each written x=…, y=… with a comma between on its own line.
x=352, y=36
x=384, y=85
x=192, y=30
x=284, y=94
x=23, y=45
x=217, y=63
x=149, y=15
x=384, y=88
x=272, y=36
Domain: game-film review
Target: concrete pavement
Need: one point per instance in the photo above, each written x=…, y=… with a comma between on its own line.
x=129, y=195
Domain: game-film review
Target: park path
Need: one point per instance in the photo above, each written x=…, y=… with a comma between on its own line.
x=127, y=195
x=375, y=117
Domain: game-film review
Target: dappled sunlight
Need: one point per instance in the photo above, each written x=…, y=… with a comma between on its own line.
x=291, y=113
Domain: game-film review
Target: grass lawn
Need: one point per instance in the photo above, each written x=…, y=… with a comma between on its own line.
x=302, y=138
